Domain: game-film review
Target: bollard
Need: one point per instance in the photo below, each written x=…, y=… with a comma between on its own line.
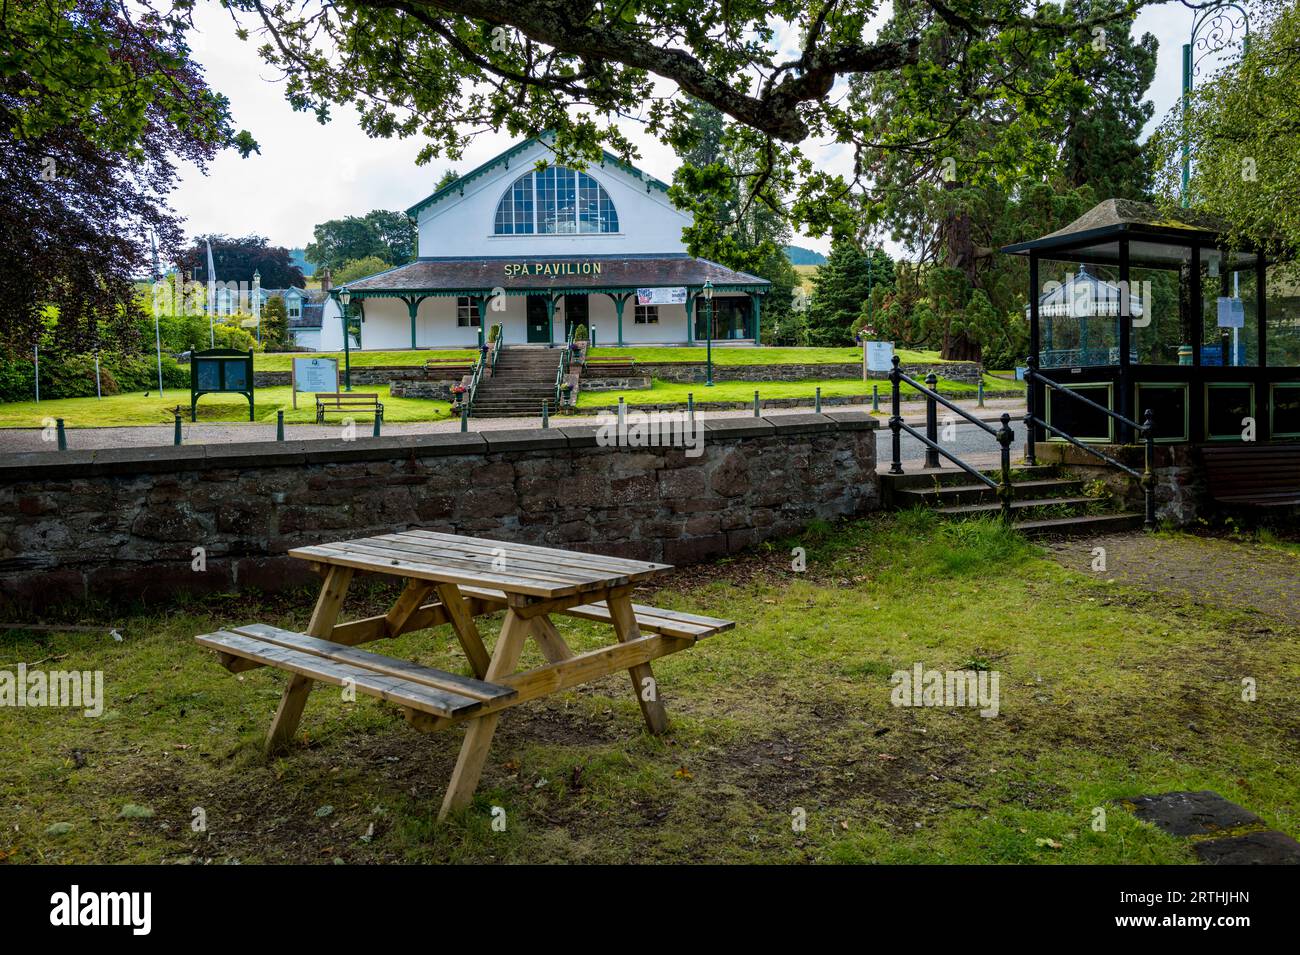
x=63, y=435
x=177, y=439
x=464, y=417
x=817, y=400
x=875, y=397
x=756, y=403
x=931, y=421
x=379, y=422
x=279, y=425
x=622, y=415
x=546, y=418
x=690, y=406
x=980, y=394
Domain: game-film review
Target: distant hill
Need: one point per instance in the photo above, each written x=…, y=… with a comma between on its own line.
x=299, y=258
x=798, y=255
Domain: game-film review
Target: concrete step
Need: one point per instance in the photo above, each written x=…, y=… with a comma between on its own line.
x=1085, y=525
x=927, y=478
x=954, y=494
x=1017, y=507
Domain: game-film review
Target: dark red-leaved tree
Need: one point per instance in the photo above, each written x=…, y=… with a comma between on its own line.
x=98, y=102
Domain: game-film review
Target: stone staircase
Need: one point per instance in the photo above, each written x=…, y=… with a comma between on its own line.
x=1044, y=502
x=523, y=379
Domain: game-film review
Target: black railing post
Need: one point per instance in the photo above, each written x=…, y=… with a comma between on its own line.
x=1031, y=370
x=379, y=423
x=1148, y=473
x=1005, y=437
x=931, y=421
x=176, y=438
x=896, y=422
x=279, y=425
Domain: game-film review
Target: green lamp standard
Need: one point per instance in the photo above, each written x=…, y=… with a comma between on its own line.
x=708, y=368
x=345, y=296
x=1215, y=27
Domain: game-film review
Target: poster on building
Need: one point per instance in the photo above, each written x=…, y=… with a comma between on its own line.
x=1232, y=313
x=669, y=295
x=315, y=375
x=879, y=356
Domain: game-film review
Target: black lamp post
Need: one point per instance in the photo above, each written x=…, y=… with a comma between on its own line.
x=345, y=296
x=708, y=370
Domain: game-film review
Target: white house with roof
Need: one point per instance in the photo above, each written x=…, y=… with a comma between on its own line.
x=543, y=251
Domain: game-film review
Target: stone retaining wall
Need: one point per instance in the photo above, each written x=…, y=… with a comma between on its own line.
x=691, y=372
x=364, y=375
x=124, y=524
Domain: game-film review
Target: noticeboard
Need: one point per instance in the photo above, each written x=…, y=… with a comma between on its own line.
x=222, y=371
x=315, y=375
x=879, y=356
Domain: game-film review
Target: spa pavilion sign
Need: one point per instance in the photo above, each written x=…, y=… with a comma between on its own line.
x=552, y=268
x=543, y=250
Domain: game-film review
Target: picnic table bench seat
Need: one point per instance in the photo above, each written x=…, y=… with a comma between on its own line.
x=344, y=401
x=668, y=623
x=397, y=681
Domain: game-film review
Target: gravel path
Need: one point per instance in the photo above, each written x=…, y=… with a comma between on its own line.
x=30, y=439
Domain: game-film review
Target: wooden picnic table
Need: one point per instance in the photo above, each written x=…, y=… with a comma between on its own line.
x=454, y=580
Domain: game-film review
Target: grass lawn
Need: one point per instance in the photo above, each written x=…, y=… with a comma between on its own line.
x=135, y=409
x=1106, y=693
x=727, y=355
x=664, y=392
x=283, y=361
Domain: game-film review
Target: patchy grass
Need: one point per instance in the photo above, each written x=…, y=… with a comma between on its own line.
x=135, y=408
x=1106, y=693
x=666, y=392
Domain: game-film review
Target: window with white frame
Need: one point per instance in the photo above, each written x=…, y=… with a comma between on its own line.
x=646, y=315
x=466, y=311
x=556, y=200
x=293, y=306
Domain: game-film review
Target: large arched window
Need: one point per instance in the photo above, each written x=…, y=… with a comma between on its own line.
x=556, y=200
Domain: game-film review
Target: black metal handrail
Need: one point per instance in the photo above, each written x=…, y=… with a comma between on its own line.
x=1146, y=430
x=1003, y=434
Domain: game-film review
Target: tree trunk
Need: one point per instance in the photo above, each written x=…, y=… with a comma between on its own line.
x=959, y=253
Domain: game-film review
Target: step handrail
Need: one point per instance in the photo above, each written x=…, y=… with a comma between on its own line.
x=1146, y=431
x=1003, y=434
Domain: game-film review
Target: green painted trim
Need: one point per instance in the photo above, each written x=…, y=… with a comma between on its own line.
x=1210, y=386
x=1082, y=386
x=558, y=290
x=1272, y=408
x=1187, y=406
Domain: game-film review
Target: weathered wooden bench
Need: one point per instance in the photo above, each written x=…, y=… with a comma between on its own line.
x=1253, y=475
x=347, y=402
x=609, y=368
x=409, y=685
x=451, y=367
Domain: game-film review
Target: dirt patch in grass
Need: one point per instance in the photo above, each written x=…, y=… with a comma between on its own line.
x=1239, y=576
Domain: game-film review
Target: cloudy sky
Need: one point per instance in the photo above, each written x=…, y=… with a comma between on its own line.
x=308, y=172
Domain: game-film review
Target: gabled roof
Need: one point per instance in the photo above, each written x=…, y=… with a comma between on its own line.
x=459, y=184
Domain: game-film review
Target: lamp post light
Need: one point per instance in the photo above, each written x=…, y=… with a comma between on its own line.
x=708, y=368
x=345, y=296
x=257, y=303
x=1214, y=29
